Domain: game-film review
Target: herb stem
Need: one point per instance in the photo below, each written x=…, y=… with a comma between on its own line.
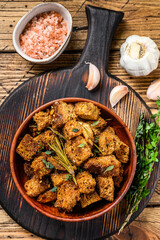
x=146, y=140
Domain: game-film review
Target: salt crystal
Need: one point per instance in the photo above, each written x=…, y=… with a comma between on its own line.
x=43, y=35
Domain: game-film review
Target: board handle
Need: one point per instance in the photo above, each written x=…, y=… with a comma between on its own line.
x=102, y=24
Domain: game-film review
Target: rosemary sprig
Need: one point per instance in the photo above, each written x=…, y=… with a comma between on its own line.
x=57, y=133
x=58, y=147
x=146, y=140
x=88, y=132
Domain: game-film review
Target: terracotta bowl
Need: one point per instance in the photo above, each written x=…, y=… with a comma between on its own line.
x=16, y=165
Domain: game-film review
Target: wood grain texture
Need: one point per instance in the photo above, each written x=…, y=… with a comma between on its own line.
x=66, y=83
x=141, y=17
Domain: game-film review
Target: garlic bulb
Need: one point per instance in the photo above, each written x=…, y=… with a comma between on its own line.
x=153, y=91
x=139, y=55
x=117, y=93
x=94, y=76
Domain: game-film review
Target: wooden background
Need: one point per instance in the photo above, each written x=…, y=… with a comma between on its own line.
x=142, y=17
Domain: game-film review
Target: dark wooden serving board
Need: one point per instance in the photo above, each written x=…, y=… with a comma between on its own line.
x=69, y=83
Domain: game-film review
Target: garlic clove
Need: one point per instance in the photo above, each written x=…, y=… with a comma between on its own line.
x=153, y=91
x=93, y=78
x=117, y=94
x=139, y=55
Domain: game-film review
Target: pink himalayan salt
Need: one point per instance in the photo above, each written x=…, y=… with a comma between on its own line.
x=43, y=35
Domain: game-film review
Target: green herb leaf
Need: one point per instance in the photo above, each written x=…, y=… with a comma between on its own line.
x=38, y=133
x=41, y=146
x=75, y=130
x=81, y=145
x=54, y=189
x=95, y=123
x=47, y=164
x=146, y=141
x=96, y=139
x=48, y=152
x=109, y=168
x=58, y=147
x=79, y=169
x=69, y=177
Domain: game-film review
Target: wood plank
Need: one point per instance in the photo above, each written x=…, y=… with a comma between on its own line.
x=15, y=70
x=141, y=17
x=136, y=21
x=149, y=219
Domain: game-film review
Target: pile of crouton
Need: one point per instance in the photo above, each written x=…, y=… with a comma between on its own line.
x=96, y=153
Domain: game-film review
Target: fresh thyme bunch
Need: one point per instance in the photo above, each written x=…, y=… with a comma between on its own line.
x=146, y=141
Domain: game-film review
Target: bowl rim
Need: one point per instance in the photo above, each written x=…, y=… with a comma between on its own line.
x=28, y=199
x=59, y=50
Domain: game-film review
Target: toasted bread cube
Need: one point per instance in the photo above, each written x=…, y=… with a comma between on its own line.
x=88, y=199
x=46, y=197
x=118, y=179
x=98, y=126
x=34, y=186
x=58, y=178
x=45, y=138
x=67, y=196
x=72, y=129
x=39, y=166
x=33, y=129
x=87, y=133
x=27, y=148
x=110, y=129
x=99, y=165
x=43, y=120
x=122, y=154
x=56, y=165
x=87, y=110
x=86, y=182
x=108, y=142
x=77, y=150
x=106, y=188
x=63, y=113
x=28, y=170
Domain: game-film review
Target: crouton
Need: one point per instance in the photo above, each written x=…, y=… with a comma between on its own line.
x=42, y=119
x=28, y=170
x=67, y=196
x=63, y=113
x=97, y=126
x=87, y=110
x=55, y=164
x=110, y=129
x=34, y=186
x=106, y=187
x=39, y=167
x=86, y=182
x=33, y=129
x=59, y=178
x=72, y=129
x=99, y=165
x=46, y=197
x=118, y=179
x=27, y=148
x=45, y=138
x=122, y=153
x=88, y=199
x=108, y=142
x=87, y=133
x=77, y=150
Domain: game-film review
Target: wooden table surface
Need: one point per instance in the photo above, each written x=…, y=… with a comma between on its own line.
x=142, y=17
